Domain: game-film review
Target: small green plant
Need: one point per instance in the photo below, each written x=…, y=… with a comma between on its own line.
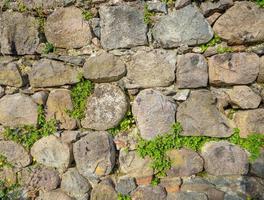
x=49, y=47
x=87, y=15
x=231, y=113
x=260, y=3
x=39, y=13
x=9, y=192
x=169, y=2
x=4, y=162
x=148, y=15
x=6, y=4
x=214, y=41
x=79, y=94
x=220, y=49
x=22, y=7
x=123, y=197
x=155, y=181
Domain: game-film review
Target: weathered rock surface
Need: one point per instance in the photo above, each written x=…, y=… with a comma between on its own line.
x=157, y=7
x=199, y=115
x=55, y=195
x=40, y=97
x=233, y=68
x=17, y=110
x=122, y=27
x=154, y=113
x=182, y=3
x=95, y=154
x=104, y=190
x=257, y=167
x=151, y=69
x=187, y=196
x=105, y=108
x=51, y=152
x=250, y=121
x=10, y=75
x=104, y=67
x=243, y=23
x=191, y=71
x=15, y=153
x=59, y=101
x=125, y=185
x=171, y=184
x=224, y=158
x=66, y=28
x=18, y=34
x=185, y=26
x=209, y=7
x=46, y=4
x=261, y=70
x=48, y=73
x=149, y=192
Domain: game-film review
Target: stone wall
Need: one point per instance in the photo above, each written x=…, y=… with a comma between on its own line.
x=82, y=82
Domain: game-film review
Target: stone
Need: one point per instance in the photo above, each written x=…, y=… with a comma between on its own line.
x=49, y=73
x=250, y=121
x=94, y=154
x=95, y=24
x=59, y=101
x=187, y=196
x=171, y=184
x=104, y=67
x=157, y=7
x=45, y=4
x=210, y=7
x=2, y=91
x=257, y=49
x=133, y=165
x=122, y=27
x=149, y=192
x=55, y=195
x=233, y=68
x=184, y=162
x=11, y=75
x=212, y=18
x=51, y=152
x=18, y=110
x=40, y=97
x=182, y=3
x=104, y=190
x=151, y=69
x=125, y=185
x=154, y=113
x=244, y=97
x=15, y=153
x=69, y=136
x=105, y=108
x=261, y=70
x=191, y=71
x=223, y=158
x=75, y=185
x=241, y=24
x=199, y=115
x=66, y=28
x=19, y=33
x=257, y=166
x=181, y=95
x=184, y=26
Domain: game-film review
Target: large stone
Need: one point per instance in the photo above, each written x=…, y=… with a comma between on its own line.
x=191, y=71
x=243, y=23
x=59, y=101
x=18, y=110
x=149, y=192
x=187, y=196
x=224, y=158
x=48, y=73
x=261, y=70
x=250, y=121
x=18, y=33
x=105, y=108
x=184, y=162
x=210, y=7
x=122, y=27
x=154, y=113
x=257, y=167
x=199, y=115
x=95, y=154
x=104, y=67
x=185, y=26
x=125, y=185
x=55, y=195
x=233, y=68
x=46, y=4
x=51, y=152
x=66, y=28
x=104, y=191
x=151, y=69
x=14, y=153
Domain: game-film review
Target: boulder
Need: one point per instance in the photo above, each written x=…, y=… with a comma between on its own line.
x=261, y=70
x=257, y=166
x=210, y=7
x=187, y=196
x=149, y=192
x=104, y=190
x=125, y=185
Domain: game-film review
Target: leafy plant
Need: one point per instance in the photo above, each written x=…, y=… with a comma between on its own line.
x=214, y=41
x=87, y=15
x=220, y=49
x=9, y=192
x=147, y=15
x=4, y=162
x=123, y=197
x=22, y=7
x=155, y=181
x=49, y=47
x=260, y=3
x=231, y=113
x=6, y=4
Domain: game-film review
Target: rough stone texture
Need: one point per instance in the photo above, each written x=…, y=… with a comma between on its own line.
x=17, y=110
x=261, y=70
x=59, y=101
x=181, y=95
x=10, y=75
x=151, y=69
x=46, y=4
x=187, y=196
x=182, y=3
x=171, y=184
x=154, y=113
x=15, y=153
x=233, y=68
x=51, y=152
x=125, y=185
x=75, y=185
x=2, y=91
x=199, y=115
x=185, y=26
x=209, y=7
x=18, y=33
x=157, y=7
x=243, y=23
x=224, y=158
x=95, y=154
x=105, y=108
x=40, y=97
x=184, y=162
x=104, y=67
x=191, y=71
x=257, y=167
x=250, y=121
x=211, y=19
x=149, y=192
x=66, y=28
x=47, y=73
x=104, y=190
x=122, y=27
x=244, y=97
x=55, y=195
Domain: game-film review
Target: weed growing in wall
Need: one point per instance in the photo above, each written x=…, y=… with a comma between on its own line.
x=260, y=3
x=4, y=162
x=214, y=41
x=87, y=15
x=147, y=15
x=123, y=197
x=7, y=191
x=49, y=48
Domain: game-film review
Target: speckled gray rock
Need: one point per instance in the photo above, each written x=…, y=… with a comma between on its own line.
x=149, y=192
x=257, y=167
x=18, y=109
x=122, y=27
x=157, y=7
x=209, y=7
x=182, y=3
x=154, y=113
x=125, y=185
x=199, y=115
x=104, y=190
x=105, y=108
x=224, y=158
x=261, y=70
x=184, y=26
x=187, y=196
x=191, y=71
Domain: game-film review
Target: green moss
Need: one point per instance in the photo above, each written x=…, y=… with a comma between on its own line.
x=22, y=7
x=148, y=15
x=155, y=181
x=123, y=197
x=6, y=4
x=49, y=48
x=87, y=15
x=214, y=41
x=4, y=162
x=220, y=49
x=41, y=17
x=8, y=192
x=231, y=113
x=260, y=3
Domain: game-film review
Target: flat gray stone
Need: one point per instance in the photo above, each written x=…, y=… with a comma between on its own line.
x=210, y=7
x=125, y=185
